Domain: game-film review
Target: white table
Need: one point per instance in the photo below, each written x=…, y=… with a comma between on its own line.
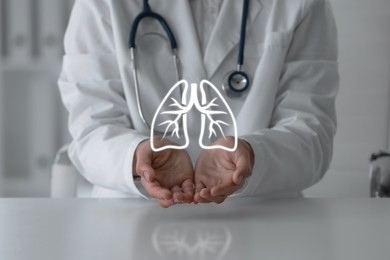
x=251, y=229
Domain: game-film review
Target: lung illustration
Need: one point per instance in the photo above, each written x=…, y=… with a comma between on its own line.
x=217, y=119
x=170, y=119
x=173, y=241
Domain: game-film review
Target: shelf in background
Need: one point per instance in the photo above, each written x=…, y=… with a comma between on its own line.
x=30, y=65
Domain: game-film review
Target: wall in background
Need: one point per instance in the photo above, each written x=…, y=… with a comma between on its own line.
x=364, y=99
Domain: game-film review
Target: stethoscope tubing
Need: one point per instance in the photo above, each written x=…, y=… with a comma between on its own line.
x=148, y=13
x=241, y=53
x=164, y=24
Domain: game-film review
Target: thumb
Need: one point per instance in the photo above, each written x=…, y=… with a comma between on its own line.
x=146, y=172
x=243, y=170
x=144, y=169
x=143, y=161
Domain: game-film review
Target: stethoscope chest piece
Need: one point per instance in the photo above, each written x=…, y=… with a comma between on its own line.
x=236, y=83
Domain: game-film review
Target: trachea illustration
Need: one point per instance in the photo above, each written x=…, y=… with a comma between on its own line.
x=216, y=117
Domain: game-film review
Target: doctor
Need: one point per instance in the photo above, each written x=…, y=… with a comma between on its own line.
x=286, y=119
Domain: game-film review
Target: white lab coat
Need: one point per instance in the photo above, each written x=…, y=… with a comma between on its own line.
x=288, y=116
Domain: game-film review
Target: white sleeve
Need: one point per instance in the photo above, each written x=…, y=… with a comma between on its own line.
x=91, y=88
x=295, y=152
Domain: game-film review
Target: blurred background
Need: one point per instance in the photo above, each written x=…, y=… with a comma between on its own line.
x=32, y=119
x=33, y=122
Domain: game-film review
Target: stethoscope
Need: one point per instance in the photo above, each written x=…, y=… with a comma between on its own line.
x=235, y=83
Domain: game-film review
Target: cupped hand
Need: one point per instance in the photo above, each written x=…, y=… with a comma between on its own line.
x=219, y=173
x=166, y=175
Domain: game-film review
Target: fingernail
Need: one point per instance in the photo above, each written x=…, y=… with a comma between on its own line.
x=176, y=201
x=147, y=175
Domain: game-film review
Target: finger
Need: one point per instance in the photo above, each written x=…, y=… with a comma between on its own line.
x=166, y=203
x=202, y=195
x=156, y=191
x=188, y=190
x=217, y=199
x=198, y=187
x=238, y=177
x=206, y=195
x=177, y=194
x=202, y=200
x=226, y=190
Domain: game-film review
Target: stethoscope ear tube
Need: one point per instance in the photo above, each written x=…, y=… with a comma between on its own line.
x=147, y=12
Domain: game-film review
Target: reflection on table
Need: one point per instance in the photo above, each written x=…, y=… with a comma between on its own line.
x=239, y=229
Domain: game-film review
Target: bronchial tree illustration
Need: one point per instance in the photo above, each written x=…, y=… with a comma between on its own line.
x=216, y=116
x=214, y=124
x=174, y=123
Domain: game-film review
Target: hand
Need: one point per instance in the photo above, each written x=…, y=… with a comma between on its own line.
x=219, y=173
x=166, y=175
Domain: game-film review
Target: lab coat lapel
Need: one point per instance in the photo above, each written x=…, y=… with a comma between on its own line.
x=226, y=33
x=179, y=16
